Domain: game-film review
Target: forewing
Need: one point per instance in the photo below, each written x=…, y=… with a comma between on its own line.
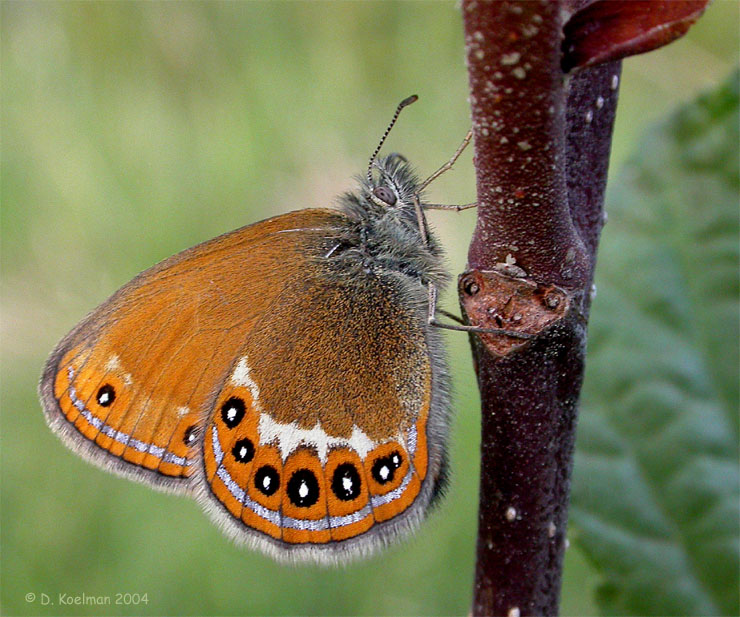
x=128, y=386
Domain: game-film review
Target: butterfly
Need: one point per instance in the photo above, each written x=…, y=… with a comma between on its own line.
x=289, y=374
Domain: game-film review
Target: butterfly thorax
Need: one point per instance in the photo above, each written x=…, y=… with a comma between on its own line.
x=384, y=233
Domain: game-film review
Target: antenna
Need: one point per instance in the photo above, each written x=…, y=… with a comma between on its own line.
x=412, y=99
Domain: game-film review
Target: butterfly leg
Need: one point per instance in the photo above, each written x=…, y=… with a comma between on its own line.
x=432, y=319
x=456, y=208
x=432, y=290
x=431, y=287
x=421, y=220
x=451, y=316
x=448, y=165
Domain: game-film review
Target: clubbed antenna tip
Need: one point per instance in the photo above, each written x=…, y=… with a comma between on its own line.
x=412, y=99
x=407, y=101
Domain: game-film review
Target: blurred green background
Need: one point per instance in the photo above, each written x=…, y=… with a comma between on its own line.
x=131, y=131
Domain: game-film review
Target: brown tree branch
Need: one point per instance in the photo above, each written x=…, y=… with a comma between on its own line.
x=542, y=142
x=518, y=102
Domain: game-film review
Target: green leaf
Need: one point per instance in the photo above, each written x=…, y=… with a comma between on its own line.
x=655, y=495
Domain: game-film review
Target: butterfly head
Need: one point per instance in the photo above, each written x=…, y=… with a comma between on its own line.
x=390, y=183
x=388, y=225
x=393, y=186
x=386, y=230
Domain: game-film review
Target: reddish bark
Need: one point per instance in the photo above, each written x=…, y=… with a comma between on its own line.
x=542, y=142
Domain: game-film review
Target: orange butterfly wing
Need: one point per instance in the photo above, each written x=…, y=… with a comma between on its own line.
x=128, y=387
x=316, y=447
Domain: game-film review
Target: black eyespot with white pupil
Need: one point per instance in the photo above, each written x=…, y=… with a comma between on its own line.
x=384, y=468
x=243, y=450
x=191, y=434
x=232, y=411
x=106, y=395
x=345, y=482
x=267, y=480
x=385, y=194
x=303, y=488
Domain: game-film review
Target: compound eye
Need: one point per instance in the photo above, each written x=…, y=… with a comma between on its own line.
x=385, y=194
